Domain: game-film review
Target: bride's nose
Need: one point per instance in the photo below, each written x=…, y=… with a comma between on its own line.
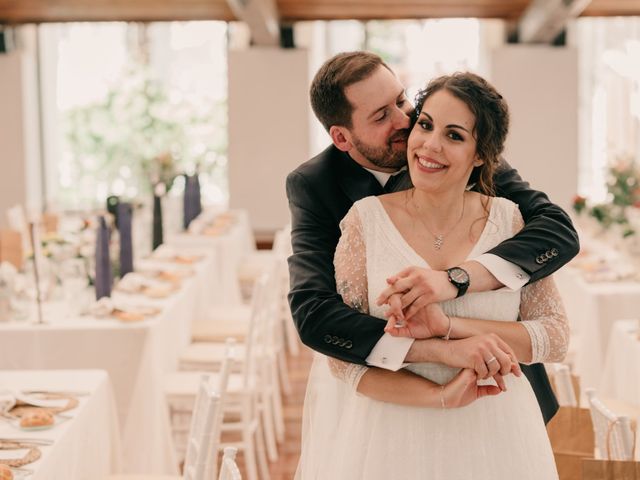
x=432, y=142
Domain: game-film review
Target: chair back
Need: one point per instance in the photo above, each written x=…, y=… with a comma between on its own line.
x=614, y=438
x=204, y=434
x=256, y=342
x=229, y=468
x=565, y=392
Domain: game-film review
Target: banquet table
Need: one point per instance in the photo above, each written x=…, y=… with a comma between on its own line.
x=136, y=355
x=229, y=244
x=621, y=373
x=85, y=447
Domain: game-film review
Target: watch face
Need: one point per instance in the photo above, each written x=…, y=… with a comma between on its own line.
x=458, y=275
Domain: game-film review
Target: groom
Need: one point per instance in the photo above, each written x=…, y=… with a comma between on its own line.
x=363, y=107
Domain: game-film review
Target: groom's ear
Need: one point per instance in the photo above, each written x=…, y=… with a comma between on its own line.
x=341, y=138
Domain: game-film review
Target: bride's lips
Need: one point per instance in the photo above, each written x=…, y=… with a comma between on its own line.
x=429, y=165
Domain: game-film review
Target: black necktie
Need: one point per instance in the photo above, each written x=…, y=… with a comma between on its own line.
x=394, y=182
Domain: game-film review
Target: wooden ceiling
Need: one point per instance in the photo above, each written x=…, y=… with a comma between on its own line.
x=26, y=11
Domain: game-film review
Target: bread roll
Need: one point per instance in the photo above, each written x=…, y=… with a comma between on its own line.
x=5, y=472
x=37, y=418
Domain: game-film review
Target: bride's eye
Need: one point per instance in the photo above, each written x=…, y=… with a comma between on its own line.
x=425, y=125
x=453, y=135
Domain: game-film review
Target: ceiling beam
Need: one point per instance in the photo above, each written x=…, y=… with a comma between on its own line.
x=543, y=20
x=262, y=18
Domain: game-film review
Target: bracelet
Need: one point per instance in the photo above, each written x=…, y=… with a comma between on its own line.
x=442, y=403
x=448, y=335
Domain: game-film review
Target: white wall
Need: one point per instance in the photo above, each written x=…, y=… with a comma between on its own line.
x=268, y=130
x=540, y=84
x=19, y=128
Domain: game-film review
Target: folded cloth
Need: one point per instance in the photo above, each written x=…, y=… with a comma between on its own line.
x=126, y=244
x=192, y=201
x=102, y=307
x=104, y=277
x=7, y=400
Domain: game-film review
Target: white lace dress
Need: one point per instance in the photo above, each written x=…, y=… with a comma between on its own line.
x=348, y=436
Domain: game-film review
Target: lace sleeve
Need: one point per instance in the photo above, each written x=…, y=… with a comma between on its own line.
x=351, y=282
x=543, y=315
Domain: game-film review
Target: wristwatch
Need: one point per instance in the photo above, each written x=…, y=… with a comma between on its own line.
x=459, y=278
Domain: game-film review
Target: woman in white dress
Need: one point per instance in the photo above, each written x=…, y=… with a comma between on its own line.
x=428, y=420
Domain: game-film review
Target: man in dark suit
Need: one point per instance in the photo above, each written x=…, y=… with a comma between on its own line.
x=365, y=111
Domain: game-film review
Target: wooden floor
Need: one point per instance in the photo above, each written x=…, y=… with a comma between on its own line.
x=289, y=450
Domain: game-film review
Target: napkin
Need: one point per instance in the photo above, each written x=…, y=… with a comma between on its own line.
x=7, y=400
x=126, y=246
x=103, y=261
x=192, y=201
x=157, y=222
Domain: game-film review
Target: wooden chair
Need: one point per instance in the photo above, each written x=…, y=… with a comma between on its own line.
x=564, y=386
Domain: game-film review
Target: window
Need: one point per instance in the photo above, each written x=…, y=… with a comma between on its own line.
x=124, y=103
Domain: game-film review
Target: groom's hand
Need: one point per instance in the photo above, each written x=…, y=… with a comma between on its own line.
x=417, y=287
x=429, y=322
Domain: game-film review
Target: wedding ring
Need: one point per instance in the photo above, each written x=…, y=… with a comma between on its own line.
x=492, y=359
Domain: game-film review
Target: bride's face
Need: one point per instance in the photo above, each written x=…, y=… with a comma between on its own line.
x=441, y=150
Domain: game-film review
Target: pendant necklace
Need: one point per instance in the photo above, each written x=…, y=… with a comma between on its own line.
x=438, y=239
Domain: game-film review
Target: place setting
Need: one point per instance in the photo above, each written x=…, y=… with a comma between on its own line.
x=30, y=412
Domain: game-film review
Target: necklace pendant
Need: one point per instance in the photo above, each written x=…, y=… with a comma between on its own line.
x=437, y=243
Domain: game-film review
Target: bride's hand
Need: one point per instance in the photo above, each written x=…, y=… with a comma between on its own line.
x=463, y=389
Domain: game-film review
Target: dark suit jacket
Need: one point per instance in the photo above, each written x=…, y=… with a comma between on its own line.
x=321, y=192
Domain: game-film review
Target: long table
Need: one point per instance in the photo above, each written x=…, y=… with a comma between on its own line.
x=136, y=356
x=86, y=447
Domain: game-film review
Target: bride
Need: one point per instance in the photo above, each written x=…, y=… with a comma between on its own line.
x=429, y=420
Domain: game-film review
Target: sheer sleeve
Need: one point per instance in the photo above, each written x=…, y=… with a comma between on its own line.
x=351, y=282
x=543, y=315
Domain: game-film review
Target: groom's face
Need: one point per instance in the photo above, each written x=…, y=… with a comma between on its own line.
x=380, y=121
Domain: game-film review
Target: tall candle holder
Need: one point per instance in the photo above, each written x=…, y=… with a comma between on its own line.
x=34, y=235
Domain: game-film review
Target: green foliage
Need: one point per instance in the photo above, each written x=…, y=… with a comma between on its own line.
x=140, y=135
x=623, y=187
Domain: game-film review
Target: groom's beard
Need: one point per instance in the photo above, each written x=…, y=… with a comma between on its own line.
x=393, y=155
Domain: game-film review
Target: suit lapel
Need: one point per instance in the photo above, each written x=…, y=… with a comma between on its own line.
x=354, y=180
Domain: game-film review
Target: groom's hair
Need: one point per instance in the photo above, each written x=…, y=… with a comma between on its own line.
x=328, y=100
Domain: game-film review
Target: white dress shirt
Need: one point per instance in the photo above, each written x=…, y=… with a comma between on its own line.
x=390, y=351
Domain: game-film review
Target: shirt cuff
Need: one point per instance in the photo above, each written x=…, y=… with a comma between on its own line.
x=509, y=274
x=389, y=353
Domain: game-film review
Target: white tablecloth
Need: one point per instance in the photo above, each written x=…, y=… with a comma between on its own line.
x=87, y=446
x=593, y=308
x=230, y=249
x=136, y=355
x=621, y=377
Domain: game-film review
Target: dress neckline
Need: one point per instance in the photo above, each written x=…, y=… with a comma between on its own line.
x=417, y=258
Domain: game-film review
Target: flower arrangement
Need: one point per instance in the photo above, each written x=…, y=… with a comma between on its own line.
x=623, y=199
x=140, y=135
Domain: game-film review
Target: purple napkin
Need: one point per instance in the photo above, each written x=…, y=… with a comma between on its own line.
x=126, y=245
x=103, y=263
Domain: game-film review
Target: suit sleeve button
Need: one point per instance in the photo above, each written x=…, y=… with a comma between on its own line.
x=327, y=339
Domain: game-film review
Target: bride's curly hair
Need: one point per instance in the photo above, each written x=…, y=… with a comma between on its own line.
x=492, y=120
